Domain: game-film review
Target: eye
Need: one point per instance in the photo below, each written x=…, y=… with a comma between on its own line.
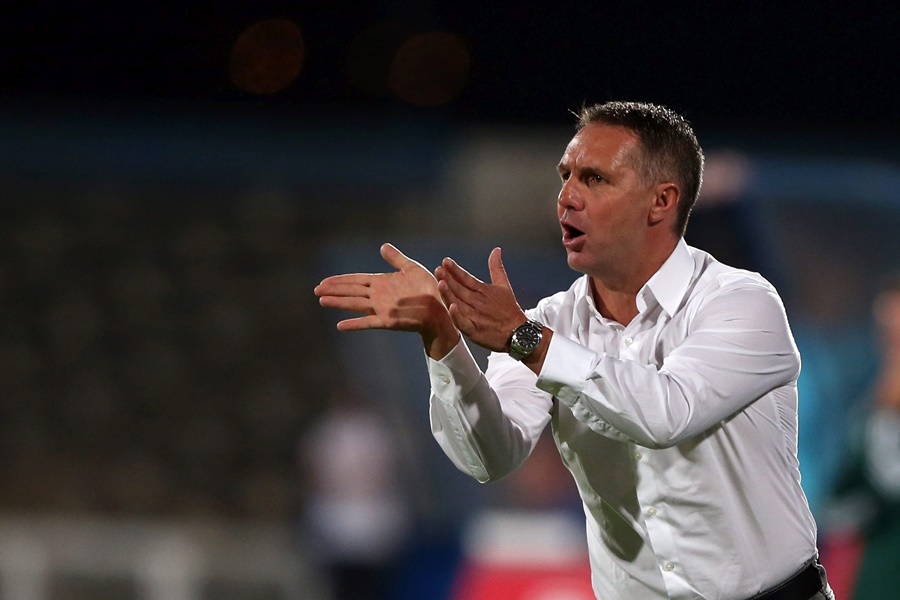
x=564, y=175
x=592, y=178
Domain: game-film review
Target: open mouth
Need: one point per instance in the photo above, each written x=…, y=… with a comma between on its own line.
x=571, y=233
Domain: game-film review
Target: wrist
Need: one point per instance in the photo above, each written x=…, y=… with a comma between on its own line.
x=525, y=339
x=535, y=360
x=440, y=339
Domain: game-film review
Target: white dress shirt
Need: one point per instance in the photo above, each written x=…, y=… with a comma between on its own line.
x=680, y=429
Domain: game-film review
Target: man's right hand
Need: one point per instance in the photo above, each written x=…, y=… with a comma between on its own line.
x=405, y=300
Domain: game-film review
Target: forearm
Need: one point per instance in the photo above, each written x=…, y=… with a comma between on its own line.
x=659, y=406
x=486, y=433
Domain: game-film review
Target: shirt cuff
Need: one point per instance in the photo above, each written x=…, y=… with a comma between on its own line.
x=455, y=374
x=567, y=369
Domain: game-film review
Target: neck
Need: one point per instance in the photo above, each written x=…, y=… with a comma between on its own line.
x=616, y=296
x=620, y=306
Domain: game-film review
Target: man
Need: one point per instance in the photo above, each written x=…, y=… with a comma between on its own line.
x=669, y=379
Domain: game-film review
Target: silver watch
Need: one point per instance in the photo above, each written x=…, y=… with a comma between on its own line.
x=525, y=339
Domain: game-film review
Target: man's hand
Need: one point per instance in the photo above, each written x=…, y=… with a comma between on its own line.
x=486, y=312
x=405, y=300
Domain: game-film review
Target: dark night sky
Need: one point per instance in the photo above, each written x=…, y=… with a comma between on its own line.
x=737, y=63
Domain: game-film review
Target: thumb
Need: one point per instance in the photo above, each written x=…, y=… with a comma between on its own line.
x=394, y=257
x=497, y=270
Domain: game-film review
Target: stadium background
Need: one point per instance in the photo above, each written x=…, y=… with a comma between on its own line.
x=179, y=418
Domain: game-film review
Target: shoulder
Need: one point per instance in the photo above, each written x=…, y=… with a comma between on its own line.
x=723, y=294
x=713, y=278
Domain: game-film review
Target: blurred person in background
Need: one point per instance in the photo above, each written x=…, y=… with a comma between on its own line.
x=668, y=378
x=357, y=512
x=863, y=522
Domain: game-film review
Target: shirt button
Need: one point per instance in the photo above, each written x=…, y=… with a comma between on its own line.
x=629, y=341
x=638, y=456
x=445, y=379
x=651, y=512
x=669, y=566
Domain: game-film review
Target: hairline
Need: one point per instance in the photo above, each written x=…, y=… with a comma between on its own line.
x=653, y=167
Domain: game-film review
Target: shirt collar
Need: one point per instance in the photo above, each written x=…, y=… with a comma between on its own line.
x=669, y=284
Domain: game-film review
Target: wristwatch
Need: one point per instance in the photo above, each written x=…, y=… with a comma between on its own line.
x=525, y=339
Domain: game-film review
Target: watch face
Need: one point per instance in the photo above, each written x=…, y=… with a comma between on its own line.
x=528, y=336
x=525, y=340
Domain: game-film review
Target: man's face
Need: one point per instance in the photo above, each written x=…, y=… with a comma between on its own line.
x=603, y=204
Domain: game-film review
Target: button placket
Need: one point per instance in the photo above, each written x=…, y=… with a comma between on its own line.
x=658, y=526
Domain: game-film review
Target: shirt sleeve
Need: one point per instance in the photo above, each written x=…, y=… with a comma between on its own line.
x=738, y=348
x=486, y=424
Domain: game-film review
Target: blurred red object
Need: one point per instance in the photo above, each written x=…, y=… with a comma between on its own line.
x=524, y=555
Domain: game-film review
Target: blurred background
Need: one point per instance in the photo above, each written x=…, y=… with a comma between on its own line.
x=179, y=419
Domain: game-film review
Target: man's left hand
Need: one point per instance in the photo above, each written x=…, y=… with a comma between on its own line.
x=486, y=313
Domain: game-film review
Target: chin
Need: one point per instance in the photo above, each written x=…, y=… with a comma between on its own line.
x=575, y=262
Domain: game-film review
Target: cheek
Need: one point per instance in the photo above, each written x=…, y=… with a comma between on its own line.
x=600, y=218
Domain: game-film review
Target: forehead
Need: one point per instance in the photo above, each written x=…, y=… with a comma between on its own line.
x=600, y=144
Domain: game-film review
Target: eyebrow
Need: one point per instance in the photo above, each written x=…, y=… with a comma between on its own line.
x=583, y=170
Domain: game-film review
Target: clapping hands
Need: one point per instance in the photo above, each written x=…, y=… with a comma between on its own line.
x=436, y=306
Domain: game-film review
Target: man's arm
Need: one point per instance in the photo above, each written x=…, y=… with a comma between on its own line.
x=739, y=349
x=487, y=424
x=405, y=300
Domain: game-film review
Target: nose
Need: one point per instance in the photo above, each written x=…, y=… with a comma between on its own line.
x=569, y=197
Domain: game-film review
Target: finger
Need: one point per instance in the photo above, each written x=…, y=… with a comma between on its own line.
x=363, y=305
x=354, y=278
x=342, y=289
x=498, y=271
x=460, y=292
x=463, y=323
x=447, y=295
x=361, y=323
x=468, y=312
x=461, y=275
x=395, y=258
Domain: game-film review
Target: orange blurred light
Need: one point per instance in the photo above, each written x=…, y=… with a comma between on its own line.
x=430, y=69
x=267, y=56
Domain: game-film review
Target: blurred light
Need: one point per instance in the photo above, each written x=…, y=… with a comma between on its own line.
x=430, y=69
x=267, y=56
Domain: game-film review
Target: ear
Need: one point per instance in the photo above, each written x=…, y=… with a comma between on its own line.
x=664, y=205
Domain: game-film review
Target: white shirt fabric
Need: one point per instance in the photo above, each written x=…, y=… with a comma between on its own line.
x=680, y=429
